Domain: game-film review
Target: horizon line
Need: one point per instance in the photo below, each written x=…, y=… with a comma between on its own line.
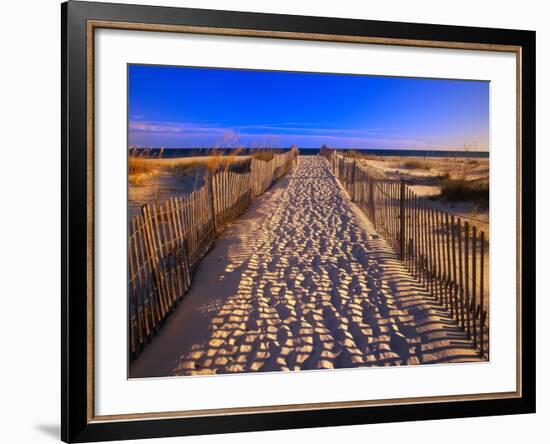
x=304, y=148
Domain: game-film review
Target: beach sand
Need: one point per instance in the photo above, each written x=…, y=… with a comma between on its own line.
x=302, y=281
x=455, y=167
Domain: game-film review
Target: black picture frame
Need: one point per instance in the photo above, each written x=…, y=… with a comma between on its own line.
x=77, y=326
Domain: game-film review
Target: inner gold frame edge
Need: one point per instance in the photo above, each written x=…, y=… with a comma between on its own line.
x=92, y=25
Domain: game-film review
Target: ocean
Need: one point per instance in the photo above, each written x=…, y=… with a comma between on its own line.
x=192, y=152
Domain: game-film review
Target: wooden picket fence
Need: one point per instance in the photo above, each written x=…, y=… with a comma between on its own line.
x=447, y=255
x=167, y=241
x=264, y=174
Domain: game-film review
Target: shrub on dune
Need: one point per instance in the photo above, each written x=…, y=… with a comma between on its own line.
x=460, y=190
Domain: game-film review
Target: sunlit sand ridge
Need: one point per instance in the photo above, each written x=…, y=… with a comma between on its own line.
x=302, y=281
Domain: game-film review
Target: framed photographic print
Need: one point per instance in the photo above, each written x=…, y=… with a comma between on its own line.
x=275, y=221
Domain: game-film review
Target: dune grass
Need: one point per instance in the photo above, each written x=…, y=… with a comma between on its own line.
x=140, y=167
x=264, y=155
x=460, y=190
x=416, y=164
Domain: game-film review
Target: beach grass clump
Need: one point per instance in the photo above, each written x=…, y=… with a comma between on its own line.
x=265, y=155
x=460, y=190
x=416, y=164
x=214, y=159
x=139, y=168
x=139, y=165
x=210, y=163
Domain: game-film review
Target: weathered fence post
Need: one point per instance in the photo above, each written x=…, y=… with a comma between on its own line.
x=371, y=201
x=353, y=180
x=481, y=295
x=402, y=220
x=210, y=179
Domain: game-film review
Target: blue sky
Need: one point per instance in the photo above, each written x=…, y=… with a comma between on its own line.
x=178, y=107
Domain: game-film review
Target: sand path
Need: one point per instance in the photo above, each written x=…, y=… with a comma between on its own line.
x=302, y=281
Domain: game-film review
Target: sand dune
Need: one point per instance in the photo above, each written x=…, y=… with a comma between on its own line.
x=302, y=281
